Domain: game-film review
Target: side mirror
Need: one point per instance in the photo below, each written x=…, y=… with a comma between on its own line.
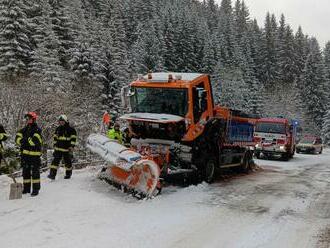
x=123, y=95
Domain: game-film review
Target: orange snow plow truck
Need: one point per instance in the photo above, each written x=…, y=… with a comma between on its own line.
x=175, y=130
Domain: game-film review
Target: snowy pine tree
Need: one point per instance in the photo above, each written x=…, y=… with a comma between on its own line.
x=81, y=64
x=300, y=49
x=269, y=66
x=285, y=53
x=326, y=54
x=46, y=67
x=255, y=39
x=147, y=50
x=15, y=42
x=62, y=27
x=313, y=88
x=227, y=46
x=326, y=128
x=209, y=53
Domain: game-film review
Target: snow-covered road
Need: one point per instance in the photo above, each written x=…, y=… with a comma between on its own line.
x=284, y=204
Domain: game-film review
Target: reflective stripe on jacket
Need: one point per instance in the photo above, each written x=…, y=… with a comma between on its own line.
x=29, y=139
x=3, y=135
x=65, y=137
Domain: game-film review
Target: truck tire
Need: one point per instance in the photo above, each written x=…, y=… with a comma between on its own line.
x=321, y=151
x=292, y=153
x=209, y=170
x=257, y=154
x=285, y=156
x=246, y=165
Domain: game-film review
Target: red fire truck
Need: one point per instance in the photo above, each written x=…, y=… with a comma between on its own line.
x=275, y=137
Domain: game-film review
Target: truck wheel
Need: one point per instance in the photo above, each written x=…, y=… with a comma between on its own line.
x=321, y=151
x=257, y=154
x=292, y=154
x=209, y=170
x=285, y=156
x=246, y=165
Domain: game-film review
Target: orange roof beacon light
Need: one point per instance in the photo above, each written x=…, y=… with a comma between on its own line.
x=140, y=77
x=178, y=77
x=170, y=77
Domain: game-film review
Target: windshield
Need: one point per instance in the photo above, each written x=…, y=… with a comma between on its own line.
x=159, y=100
x=306, y=141
x=266, y=127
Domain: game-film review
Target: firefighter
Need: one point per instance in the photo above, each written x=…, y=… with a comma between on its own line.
x=3, y=137
x=127, y=137
x=65, y=139
x=115, y=133
x=29, y=140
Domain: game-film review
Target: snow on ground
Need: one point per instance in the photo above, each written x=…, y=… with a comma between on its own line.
x=282, y=205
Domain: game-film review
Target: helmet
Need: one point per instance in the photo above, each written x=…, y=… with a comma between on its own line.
x=31, y=115
x=63, y=118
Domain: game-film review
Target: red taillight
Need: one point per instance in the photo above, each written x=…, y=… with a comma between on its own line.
x=257, y=139
x=281, y=141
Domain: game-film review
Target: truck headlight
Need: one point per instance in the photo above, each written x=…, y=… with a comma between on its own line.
x=282, y=148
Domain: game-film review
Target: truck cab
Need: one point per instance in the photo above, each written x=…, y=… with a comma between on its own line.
x=275, y=137
x=176, y=104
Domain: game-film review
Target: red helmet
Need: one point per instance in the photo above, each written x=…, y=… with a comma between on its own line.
x=32, y=115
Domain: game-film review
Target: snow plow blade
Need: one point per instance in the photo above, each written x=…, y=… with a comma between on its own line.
x=125, y=167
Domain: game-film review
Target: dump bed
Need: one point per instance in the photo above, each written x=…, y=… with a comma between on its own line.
x=240, y=126
x=239, y=131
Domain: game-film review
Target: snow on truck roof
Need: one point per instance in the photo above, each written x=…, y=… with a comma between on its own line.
x=164, y=76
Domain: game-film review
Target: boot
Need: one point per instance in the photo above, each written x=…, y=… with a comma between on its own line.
x=26, y=191
x=67, y=176
x=34, y=193
x=52, y=177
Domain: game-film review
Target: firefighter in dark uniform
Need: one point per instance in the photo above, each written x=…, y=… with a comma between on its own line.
x=3, y=137
x=29, y=140
x=65, y=139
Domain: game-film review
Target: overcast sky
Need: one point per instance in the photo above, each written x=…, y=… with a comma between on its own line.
x=312, y=15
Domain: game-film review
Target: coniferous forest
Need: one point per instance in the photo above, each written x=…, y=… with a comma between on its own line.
x=73, y=57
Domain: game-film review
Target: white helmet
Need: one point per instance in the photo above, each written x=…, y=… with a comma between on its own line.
x=63, y=118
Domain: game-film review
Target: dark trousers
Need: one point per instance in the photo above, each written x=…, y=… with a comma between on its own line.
x=67, y=157
x=31, y=172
